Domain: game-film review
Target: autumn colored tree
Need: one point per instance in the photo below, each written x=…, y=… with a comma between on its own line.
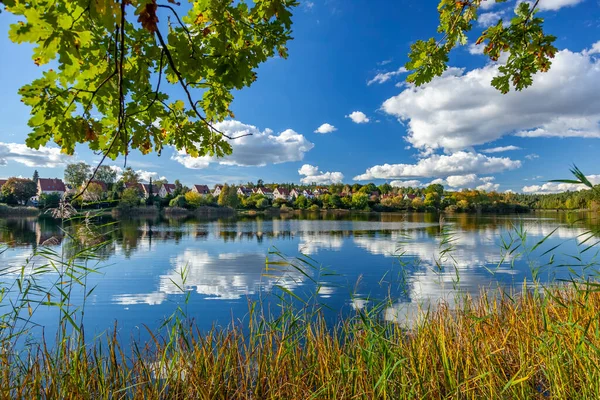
x=528, y=48
x=19, y=190
x=116, y=58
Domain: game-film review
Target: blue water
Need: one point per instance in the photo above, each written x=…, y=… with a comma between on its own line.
x=355, y=261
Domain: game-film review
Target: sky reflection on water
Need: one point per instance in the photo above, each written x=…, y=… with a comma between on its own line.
x=371, y=257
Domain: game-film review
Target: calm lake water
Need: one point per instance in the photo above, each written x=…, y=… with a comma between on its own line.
x=358, y=260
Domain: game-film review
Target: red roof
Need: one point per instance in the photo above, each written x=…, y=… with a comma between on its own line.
x=2, y=182
x=51, y=185
x=169, y=187
x=202, y=189
x=265, y=190
x=283, y=191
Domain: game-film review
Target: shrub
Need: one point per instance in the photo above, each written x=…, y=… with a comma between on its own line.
x=179, y=201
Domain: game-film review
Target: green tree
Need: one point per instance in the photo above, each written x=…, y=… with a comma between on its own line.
x=528, y=47
x=301, y=202
x=179, y=201
x=262, y=203
x=106, y=174
x=193, y=199
x=435, y=188
x=36, y=176
x=228, y=197
x=116, y=63
x=77, y=174
x=130, y=198
x=130, y=176
x=360, y=201
x=49, y=200
x=19, y=190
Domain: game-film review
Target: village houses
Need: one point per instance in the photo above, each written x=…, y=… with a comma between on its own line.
x=202, y=190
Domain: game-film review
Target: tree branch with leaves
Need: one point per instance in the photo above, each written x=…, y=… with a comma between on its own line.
x=529, y=49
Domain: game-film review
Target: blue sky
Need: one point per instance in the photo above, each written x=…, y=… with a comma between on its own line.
x=345, y=58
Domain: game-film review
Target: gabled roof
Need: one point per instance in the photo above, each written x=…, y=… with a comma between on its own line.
x=283, y=191
x=146, y=188
x=245, y=190
x=202, y=189
x=265, y=190
x=51, y=185
x=169, y=187
x=2, y=182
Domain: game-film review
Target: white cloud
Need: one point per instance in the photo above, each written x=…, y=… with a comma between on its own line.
x=146, y=175
x=358, y=117
x=405, y=184
x=460, y=110
x=459, y=163
x=259, y=149
x=476, y=48
x=595, y=49
x=469, y=181
x=556, y=4
x=308, y=170
x=45, y=157
x=461, y=180
x=487, y=4
x=313, y=175
x=326, y=128
x=489, y=18
x=532, y=156
x=383, y=77
x=556, y=187
x=500, y=149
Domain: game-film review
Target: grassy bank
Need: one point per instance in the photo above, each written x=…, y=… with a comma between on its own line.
x=21, y=211
x=533, y=345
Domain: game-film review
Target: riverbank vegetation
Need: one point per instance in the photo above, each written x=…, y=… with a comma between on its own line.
x=536, y=344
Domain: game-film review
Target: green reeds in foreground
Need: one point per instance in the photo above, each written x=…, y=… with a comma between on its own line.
x=532, y=345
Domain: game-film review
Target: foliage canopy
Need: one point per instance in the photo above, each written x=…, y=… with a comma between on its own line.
x=113, y=57
x=528, y=47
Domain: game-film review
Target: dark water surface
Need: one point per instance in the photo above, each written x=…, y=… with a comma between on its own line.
x=359, y=259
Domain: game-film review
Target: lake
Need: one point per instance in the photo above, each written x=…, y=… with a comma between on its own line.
x=358, y=260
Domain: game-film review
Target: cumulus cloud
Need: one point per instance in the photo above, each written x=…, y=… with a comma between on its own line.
x=595, y=49
x=556, y=187
x=476, y=49
x=405, y=184
x=260, y=149
x=326, y=128
x=489, y=18
x=383, y=77
x=487, y=4
x=500, y=149
x=441, y=166
x=146, y=175
x=358, y=117
x=313, y=175
x=45, y=157
x=459, y=110
x=554, y=5
x=469, y=181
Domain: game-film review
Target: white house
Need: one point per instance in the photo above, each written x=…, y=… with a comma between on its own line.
x=281, y=193
x=294, y=194
x=51, y=186
x=244, y=191
x=166, y=189
x=217, y=191
x=268, y=193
